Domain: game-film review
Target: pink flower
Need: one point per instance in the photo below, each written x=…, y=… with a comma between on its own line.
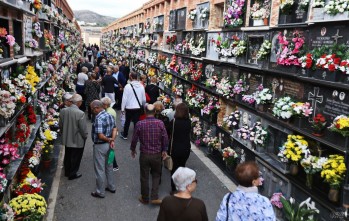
x=10, y=40
x=275, y=200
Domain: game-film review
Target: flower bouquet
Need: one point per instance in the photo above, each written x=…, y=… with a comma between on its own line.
x=260, y=135
x=233, y=16
x=37, y=30
x=192, y=14
x=211, y=81
x=264, y=96
x=290, y=50
x=239, y=87
x=318, y=124
x=197, y=48
x=177, y=89
x=212, y=106
x=340, y=125
x=31, y=184
x=318, y=4
x=283, y=108
x=286, y=6
x=8, y=152
x=229, y=156
x=303, y=5
x=29, y=206
x=303, y=211
x=301, y=109
x=335, y=7
x=294, y=149
x=8, y=104
x=307, y=61
x=240, y=48
x=204, y=13
x=312, y=165
x=333, y=171
x=249, y=98
x=3, y=183
x=232, y=121
x=264, y=50
x=32, y=44
x=244, y=132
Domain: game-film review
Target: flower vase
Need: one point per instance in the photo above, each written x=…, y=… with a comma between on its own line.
x=258, y=22
x=309, y=180
x=294, y=169
x=299, y=122
x=229, y=167
x=263, y=107
x=46, y=164
x=285, y=19
x=333, y=195
x=209, y=150
x=260, y=149
x=266, y=21
x=319, y=133
x=3, y=121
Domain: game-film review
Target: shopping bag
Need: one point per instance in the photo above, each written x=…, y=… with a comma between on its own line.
x=168, y=163
x=111, y=156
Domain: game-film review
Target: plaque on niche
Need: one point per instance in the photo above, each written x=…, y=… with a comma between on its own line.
x=181, y=18
x=172, y=20
x=211, y=52
x=284, y=87
x=327, y=101
x=328, y=36
x=202, y=16
x=252, y=81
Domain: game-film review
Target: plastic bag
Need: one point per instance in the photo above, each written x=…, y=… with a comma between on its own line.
x=111, y=156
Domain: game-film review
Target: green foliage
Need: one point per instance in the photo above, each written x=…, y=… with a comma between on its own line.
x=298, y=212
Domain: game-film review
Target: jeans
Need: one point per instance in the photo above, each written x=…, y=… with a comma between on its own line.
x=131, y=115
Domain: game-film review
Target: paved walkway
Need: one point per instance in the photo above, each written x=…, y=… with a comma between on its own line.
x=73, y=201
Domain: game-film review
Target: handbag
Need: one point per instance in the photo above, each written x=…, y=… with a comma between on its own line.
x=139, y=103
x=168, y=162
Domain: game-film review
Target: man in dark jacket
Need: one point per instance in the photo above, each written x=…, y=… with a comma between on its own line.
x=108, y=82
x=88, y=65
x=152, y=90
x=118, y=88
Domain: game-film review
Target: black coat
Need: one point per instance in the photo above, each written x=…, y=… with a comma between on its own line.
x=153, y=92
x=181, y=137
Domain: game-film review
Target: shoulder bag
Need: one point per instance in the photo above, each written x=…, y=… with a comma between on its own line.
x=227, y=206
x=168, y=162
x=139, y=103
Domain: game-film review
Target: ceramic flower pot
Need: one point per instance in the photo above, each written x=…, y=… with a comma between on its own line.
x=294, y=169
x=258, y=22
x=333, y=195
x=309, y=180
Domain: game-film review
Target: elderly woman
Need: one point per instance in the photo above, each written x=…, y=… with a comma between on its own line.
x=92, y=90
x=182, y=206
x=245, y=203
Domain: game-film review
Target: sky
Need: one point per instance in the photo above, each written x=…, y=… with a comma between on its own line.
x=114, y=8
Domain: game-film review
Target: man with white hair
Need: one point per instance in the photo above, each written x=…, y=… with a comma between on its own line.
x=153, y=138
x=72, y=122
x=67, y=100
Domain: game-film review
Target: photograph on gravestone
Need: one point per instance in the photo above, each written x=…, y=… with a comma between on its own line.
x=211, y=52
x=210, y=71
x=172, y=20
x=252, y=80
x=254, y=44
x=181, y=18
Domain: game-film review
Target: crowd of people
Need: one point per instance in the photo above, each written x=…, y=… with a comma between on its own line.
x=106, y=87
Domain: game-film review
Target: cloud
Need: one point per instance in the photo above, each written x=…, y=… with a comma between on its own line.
x=114, y=8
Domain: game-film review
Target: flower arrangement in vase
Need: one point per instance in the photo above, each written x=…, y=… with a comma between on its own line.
x=260, y=135
x=340, y=125
x=211, y=81
x=301, y=109
x=224, y=88
x=171, y=40
x=312, y=165
x=233, y=16
x=303, y=5
x=294, y=211
x=318, y=4
x=290, y=51
x=335, y=7
x=293, y=151
x=37, y=29
x=192, y=15
x=239, y=87
x=195, y=72
x=244, y=132
x=319, y=125
x=8, y=152
x=197, y=48
x=286, y=6
x=204, y=13
x=263, y=95
x=222, y=47
x=259, y=11
x=333, y=171
x=212, y=106
x=283, y=108
x=30, y=185
x=307, y=61
x=7, y=109
x=232, y=120
x=177, y=89
x=240, y=47
x=264, y=50
x=32, y=44
x=229, y=156
x=29, y=206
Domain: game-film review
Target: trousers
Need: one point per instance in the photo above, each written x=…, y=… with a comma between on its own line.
x=72, y=160
x=131, y=115
x=177, y=162
x=103, y=171
x=150, y=164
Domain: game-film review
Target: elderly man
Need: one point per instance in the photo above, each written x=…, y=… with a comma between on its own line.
x=103, y=134
x=108, y=82
x=72, y=123
x=67, y=100
x=88, y=65
x=153, y=138
x=118, y=88
x=106, y=104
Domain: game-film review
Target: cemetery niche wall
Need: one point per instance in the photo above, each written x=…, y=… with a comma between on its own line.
x=255, y=89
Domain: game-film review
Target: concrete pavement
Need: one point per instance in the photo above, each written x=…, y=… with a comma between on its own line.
x=75, y=203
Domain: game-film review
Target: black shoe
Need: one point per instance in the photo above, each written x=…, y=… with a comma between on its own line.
x=122, y=136
x=76, y=176
x=112, y=191
x=95, y=194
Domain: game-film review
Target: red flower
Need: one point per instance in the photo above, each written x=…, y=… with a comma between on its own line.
x=331, y=67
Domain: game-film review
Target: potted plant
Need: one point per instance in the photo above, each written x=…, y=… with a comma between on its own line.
x=300, y=112
x=286, y=8
x=333, y=172
x=303, y=211
x=229, y=157
x=312, y=165
x=293, y=151
x=318, y=124
x=260, y=12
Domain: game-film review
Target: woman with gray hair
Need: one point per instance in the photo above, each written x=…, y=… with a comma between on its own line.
x=182, y=206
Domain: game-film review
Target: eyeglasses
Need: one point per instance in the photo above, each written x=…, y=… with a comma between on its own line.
x=195, y=181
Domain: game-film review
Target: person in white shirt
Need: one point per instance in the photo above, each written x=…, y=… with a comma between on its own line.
x=80, y=86
x=133, y=101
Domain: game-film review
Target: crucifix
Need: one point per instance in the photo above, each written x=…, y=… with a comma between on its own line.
x=315, y=98
x=336, y=36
